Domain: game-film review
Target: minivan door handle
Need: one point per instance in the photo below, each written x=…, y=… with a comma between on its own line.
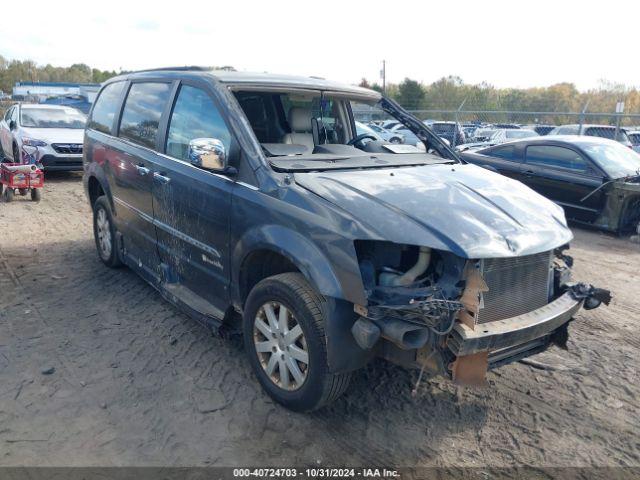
x=142, y=170
x=528, y=173
x=161, y=178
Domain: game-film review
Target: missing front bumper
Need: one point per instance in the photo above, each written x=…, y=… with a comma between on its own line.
x=513, y=331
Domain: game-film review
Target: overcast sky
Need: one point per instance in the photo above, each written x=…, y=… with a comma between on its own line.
x=506, y=43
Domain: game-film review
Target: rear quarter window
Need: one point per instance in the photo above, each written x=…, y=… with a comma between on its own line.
x=105, y=108
x=507, y=152
x=142, y=111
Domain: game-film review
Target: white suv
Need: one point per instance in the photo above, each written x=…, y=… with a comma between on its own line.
x=54, y=133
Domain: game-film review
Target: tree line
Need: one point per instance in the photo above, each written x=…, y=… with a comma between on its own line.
x=448, y=93
x=12, y=71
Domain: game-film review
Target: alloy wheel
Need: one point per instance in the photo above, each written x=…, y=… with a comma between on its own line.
x=104, y=233
x=281, y=346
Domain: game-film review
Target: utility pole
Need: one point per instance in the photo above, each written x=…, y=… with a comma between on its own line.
x=619, y=112
x=383, y=74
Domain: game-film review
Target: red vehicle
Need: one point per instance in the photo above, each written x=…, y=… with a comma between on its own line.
x=25, y=178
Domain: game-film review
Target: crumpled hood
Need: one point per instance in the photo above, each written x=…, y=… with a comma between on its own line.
x=55, y=135
x=464, y=209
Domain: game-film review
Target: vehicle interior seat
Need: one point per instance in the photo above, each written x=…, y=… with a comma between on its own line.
x=300, y=123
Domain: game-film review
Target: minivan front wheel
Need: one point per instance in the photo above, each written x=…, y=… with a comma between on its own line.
x=104, y=233
x=283, y=327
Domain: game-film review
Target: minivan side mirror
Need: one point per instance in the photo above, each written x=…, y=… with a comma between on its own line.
x=208, y=154
x=12, y=125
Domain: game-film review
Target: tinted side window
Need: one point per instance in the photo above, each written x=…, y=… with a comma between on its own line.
x=194, y=116
x=557, y=157
x=7, y=115
x=142, y=111
x=105, y=108
x=508, y=152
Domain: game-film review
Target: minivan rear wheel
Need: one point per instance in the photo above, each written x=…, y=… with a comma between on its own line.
x=104, y=233
x=283, y=327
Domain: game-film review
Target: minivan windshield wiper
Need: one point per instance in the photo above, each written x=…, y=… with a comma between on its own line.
x=317, y=162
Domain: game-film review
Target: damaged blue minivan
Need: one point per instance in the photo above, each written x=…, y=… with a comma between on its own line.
x=251, y=202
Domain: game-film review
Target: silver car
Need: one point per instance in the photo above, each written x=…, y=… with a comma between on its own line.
x=389, y=136
x=634, y=138
x=604, y=131
x=52, y=135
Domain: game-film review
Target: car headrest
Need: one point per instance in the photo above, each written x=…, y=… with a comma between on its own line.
x=300, y=119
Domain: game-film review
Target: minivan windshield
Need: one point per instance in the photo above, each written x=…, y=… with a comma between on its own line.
x=615, y=159
x=34, y=117
x=327, y=127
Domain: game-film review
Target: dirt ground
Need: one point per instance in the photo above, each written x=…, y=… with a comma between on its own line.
x=136, y=382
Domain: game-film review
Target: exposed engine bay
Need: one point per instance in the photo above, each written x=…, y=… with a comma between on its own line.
x=429, y=306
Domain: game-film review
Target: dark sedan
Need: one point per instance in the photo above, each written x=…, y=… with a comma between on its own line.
x=595, y=180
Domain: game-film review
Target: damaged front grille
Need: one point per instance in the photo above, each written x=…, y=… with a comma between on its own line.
x=517, y=285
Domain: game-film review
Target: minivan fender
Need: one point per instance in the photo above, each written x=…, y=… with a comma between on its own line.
x=303, y=253
x=343, y=353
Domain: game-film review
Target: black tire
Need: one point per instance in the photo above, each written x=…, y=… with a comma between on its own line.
x=102, y=213
x=36, y=194
x=8, y=195
x=320, y=387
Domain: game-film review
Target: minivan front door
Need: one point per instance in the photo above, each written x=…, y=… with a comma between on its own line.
x=192, y=205
x=131, y=166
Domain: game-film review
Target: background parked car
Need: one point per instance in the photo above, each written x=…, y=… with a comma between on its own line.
x=540, y=129
x=409, y=137
x=469, y=129
x=634, y=138
x=451, y=131
x=595, y=180
x=56, y=131
x=505, y=135
x=603, y=131
x=389, y=124
x=387, y=135
x=362, y=129
x=483, y=134
x=76, y=101
x=497, y=137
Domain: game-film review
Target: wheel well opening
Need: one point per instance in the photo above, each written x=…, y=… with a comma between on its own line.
x=95, y=190
x=260, y=265
x=630, y=216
